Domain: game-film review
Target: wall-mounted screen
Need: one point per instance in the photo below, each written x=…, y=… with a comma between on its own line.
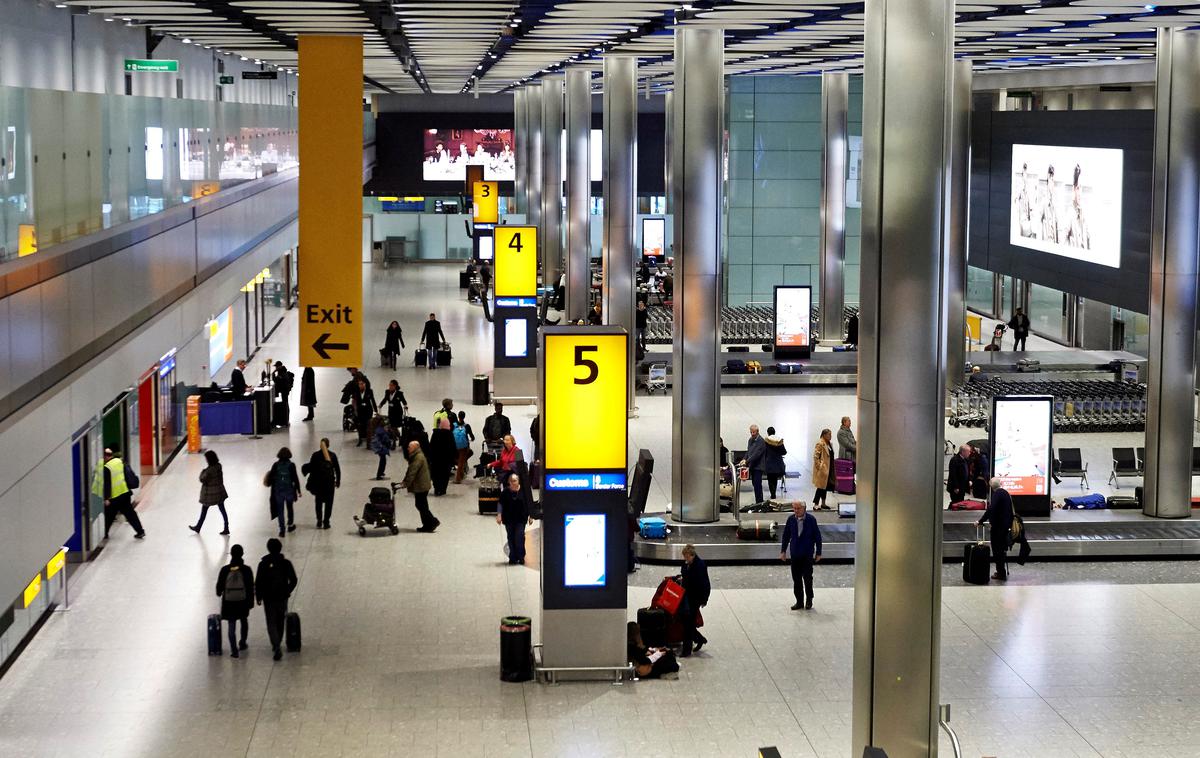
x=584, y=553
x=448, y=152
x=654, y=237
x=793, y=318
x=1021, y=428
x=486, y=247
x=516, y=343
x=220, y=341
x=1067, y=201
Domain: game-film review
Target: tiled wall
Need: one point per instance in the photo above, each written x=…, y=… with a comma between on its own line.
x=774, y=192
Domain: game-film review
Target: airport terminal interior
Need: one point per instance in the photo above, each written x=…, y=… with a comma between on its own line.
x=675, y=268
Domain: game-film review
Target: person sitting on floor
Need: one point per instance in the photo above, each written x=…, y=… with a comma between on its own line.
x=648, y=663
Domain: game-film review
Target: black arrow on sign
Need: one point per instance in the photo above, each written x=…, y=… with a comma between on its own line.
x=323, y=345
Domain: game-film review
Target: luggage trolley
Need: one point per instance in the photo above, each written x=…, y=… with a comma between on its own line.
x=379, y=512
x=657, y=379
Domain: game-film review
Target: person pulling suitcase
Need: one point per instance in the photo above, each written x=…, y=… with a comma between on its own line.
x=999, y=515
x=276, y=581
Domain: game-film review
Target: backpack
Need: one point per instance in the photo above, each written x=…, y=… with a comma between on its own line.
x=235, y=586
x=282, y=481
x=460, y=437
x=131, y=479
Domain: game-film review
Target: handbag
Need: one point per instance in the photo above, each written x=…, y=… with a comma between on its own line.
x=668, y=596
x=699, y=619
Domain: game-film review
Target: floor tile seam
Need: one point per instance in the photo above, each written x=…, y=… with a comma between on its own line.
x=767, y=668
x=1141, y=590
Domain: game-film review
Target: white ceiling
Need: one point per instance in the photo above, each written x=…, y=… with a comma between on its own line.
x=505, y=42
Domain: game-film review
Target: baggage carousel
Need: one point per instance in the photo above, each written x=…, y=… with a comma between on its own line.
x=1116, y=534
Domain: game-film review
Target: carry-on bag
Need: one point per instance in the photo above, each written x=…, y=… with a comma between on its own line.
x=789, y=367
x=443, y=354
x=291, y=632
x=489, y=494
x=668, y=596
x=652, y=623
x=977, y=559
x=756, y=530
x=735, y=366
x=843, y=476
x=1123, y=501
x=652, y=528
x=420, y=357
x=214, y=634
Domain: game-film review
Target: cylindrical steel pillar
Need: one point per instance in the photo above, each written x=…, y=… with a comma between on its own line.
x=956, y=250
x=552, y=193
x=699, y=120
x=620, y=198
x=533, y=155
x=1174, y=244
x=901, y=385
x=579, y=193
x=668, y=150
x=835, y=106
x=520, y=143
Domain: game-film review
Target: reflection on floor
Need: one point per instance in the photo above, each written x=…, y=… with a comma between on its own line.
x=400, y=653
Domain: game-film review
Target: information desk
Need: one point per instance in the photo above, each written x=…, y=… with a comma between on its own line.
x=227, y=418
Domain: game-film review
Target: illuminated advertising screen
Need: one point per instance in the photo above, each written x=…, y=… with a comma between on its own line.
x=584, y=553
x=448, y=152
x=1067, y=201
x=516, y=338
x=654, y=237
x=220, y=341
x=1021, y=452
x=793, y=317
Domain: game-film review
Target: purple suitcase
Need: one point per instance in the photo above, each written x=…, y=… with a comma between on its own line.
x=843, y=476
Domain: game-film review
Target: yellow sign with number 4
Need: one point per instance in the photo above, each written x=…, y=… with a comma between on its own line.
x=515, y=261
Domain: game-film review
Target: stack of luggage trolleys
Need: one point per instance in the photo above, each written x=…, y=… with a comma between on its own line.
x=740, y=324
x=1096, y=405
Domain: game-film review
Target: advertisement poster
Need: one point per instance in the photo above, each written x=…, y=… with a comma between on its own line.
x=793, y=317
x=516, y=338
x=654, y=237
x=220, y=341
x=1067, y=201
x=583, y=553
x=1021, y=429
x=448, y=152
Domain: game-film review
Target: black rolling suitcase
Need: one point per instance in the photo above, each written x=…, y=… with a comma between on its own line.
x=755, y=530
x=214, y=635
x=489, y=494
x=652, y=623
x=291, y=632
x=443, y=355
x=420, y=357
x=1118, y=501
x=977, y=561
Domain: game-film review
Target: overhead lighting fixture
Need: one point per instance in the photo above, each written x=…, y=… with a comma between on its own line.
x=187, y=41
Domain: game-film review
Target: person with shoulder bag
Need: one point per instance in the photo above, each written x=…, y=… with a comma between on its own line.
x=284, y=483
x=212, y=491
x=324, y=476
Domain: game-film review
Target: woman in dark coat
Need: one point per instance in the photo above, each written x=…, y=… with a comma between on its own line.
x=235, y=587
x=324, y=476
x=366, y=409
x=396, y=405
x=393, y=343
x=443, y=454
x=773, y=463
x=212, y=491
x=308, y=391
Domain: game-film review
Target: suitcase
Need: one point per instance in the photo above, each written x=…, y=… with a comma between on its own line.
x=464, y=280
x=444, y=356
x=291, y=632
x=652, y=528
x=652, y=623
x=214, y=634
x=789, y=367
x=757, y=531
x=738, y=349
x=843, y=476
x=735, y=366
x=847, y=510
x=753, y=367
x=977, y=561
x=420, y=357
x=489, y=495
x=1118, y=501
x=969, y=505
x=1137, y=492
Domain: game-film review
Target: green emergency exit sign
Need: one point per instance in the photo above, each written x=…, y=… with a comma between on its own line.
x=225, y=80
x=141, y=64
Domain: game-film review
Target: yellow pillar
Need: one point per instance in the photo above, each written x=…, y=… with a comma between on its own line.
x=331, y=85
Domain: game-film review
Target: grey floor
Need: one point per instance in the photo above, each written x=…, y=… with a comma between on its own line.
x=400, y=653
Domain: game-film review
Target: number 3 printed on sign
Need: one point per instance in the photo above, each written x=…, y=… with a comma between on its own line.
x=593, y=369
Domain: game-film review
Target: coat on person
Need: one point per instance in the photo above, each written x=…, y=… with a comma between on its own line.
x=822, y=467
x=958, y=480
x=395, y=403
x=999, y=514
x=323, y=475
x=696, y=585
x=276, y=579
x=774, y=452
x=212, y=486
x=308, y=387
x=756, y=451
x=443, y=455
x=847, y=445
x=980, y=469
x=393, y=341
x=236, y=601
x=284, y=481
x=416, y=478
x=381, y=441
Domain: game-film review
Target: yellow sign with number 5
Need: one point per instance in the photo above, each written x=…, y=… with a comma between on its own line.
x=585, y=412
x=515, y=261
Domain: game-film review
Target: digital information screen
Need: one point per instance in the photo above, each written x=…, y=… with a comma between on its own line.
x=793, y=317
x=448, y=152
x=1021, y=453
x=486, y=247
x=220, y=341
x=516, y=338
x=1067, y=201
x=654, y=237
x=584, y=550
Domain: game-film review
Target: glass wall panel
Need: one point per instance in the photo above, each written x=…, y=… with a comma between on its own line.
x=979, y=290
x=1048, y=312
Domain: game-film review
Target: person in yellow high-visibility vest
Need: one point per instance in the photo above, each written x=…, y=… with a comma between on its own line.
x=118, y=497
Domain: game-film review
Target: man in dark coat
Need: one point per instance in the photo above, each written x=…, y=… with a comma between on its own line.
x=496, y=427
x=999, y=514
x=1019, y=324
x=308, y=391
x=276, y=581
x=433, y=338
x=696, y=589
x=801, y=535
x=237, y=382
x=756, y=458
x=958, y=482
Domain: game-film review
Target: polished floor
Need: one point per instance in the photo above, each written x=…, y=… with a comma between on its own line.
x=400, y=654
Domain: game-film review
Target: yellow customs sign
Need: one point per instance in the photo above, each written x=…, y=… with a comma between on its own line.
x=487, y=202
x=515, y=261
x=586, y=409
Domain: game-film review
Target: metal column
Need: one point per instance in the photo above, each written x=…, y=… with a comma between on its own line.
x=1173, y=271
x=579, y=193
x=901, y=386
x=552, y=210
x=668, y=151
x=956, y=251
x=835, y=104
x=620, y=198
x=533, y=154
x=699, y=126
x=520, y=147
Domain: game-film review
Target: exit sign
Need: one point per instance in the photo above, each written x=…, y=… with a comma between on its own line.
x=225, y=80
x=142, y=64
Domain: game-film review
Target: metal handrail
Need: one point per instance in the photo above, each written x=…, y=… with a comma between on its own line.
x=944, y=723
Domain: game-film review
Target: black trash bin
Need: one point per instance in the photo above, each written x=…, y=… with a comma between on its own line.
x=516, y=649
x=481, y=393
